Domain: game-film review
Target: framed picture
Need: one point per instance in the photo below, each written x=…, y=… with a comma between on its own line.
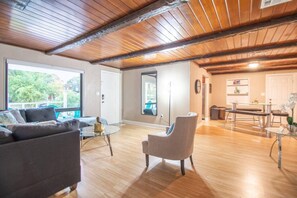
x=236, y=82
x=237, y=90
x=197, y=86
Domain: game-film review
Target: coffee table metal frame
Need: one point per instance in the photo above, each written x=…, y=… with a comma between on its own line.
x=279, y=133
x=88, y=132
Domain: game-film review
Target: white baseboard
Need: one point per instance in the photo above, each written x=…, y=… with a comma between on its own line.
x=199, y=124
x=145, y=124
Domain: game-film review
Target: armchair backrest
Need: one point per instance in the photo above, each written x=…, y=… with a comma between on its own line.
x=182, y=136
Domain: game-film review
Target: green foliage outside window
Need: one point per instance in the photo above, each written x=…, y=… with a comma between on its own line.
x=26, y=86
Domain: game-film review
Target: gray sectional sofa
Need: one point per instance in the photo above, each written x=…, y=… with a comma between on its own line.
x=38, y=161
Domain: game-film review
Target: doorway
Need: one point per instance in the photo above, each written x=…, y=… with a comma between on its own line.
x=110, y=96
x=279, y=87
x=205, y=104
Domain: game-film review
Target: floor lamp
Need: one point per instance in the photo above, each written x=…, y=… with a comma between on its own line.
x=169, y=106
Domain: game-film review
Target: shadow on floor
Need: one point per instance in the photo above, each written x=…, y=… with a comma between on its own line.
x=165, y=180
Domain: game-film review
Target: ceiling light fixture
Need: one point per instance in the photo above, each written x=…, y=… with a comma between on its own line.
x=253, y=64
x=150, y=56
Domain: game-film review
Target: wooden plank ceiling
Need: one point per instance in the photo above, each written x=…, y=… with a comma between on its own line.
x=43, y=25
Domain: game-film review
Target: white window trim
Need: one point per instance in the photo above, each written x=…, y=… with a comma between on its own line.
x=39, y=65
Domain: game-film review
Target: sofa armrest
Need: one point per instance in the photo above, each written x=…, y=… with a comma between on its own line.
x=40, y=167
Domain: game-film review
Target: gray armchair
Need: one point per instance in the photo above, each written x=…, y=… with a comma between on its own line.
x=178, y=145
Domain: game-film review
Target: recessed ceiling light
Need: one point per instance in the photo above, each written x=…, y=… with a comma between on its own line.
x=253, y=65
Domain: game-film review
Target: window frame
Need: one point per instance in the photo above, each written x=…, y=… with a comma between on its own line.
x=56, y=109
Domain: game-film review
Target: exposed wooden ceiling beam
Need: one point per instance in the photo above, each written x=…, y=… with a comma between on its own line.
x=145, y=13
x=274, y=65
x=201, y=39
x=223, y=53
x=258, y=70
x=246, y=60
x=246, y=65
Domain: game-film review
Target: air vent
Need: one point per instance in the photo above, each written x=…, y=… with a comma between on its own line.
x=21, y=4
x=269, y=3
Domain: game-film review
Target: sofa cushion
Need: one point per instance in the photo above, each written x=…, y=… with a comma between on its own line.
x=24, y=132
x=40, y=114
x=50, y=122
x=5, y=136
x=17, y=115
x=6, y=118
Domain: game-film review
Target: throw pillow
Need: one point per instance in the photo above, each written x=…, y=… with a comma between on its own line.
x=5, y=136
x=169, y=131
x=71, y=124
x=7, y=118
x=24, y=132
x=40, y=114
x=17, y=115
x=23, y=113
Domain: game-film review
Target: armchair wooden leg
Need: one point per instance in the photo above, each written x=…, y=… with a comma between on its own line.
x=191, y=159
x=182, y=166
x=147, y=160
x=73, y=187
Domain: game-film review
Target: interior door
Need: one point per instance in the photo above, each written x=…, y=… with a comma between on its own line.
x=203, y=101
x=110, y=96
x=278, y=88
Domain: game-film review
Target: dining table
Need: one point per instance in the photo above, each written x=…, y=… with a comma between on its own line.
x=266, y=108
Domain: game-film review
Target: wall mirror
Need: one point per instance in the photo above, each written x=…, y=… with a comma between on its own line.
x=149, y=93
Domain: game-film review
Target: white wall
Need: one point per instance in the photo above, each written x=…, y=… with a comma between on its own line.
x=196, y=99
x=257, y=85
x=178, y=74
x=91, y=77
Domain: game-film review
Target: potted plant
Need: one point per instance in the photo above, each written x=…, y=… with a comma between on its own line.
x=289, y=107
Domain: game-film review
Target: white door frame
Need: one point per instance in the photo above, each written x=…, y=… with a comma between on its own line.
x=280, y=74
x=119, y=99
x=294, y=86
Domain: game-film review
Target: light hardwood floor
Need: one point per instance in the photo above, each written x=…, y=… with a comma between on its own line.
x=226, y=164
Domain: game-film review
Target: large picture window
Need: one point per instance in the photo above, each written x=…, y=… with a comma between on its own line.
x=33, y=87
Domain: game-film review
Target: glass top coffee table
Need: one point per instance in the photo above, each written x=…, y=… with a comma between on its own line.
x=279, y=132
x=88, y=132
